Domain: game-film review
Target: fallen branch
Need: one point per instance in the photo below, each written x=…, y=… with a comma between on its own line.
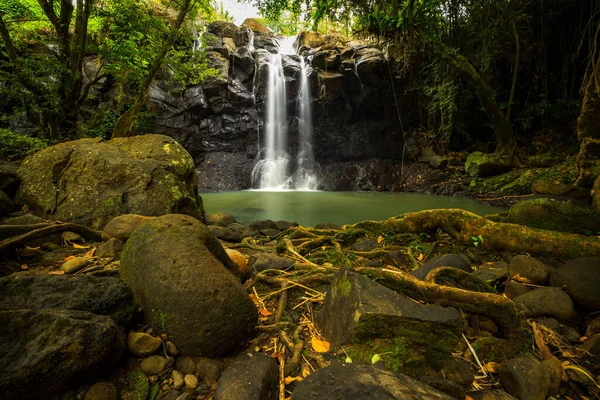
x=21, y=240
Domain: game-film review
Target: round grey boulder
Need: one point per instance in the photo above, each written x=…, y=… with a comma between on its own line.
x=579, y=278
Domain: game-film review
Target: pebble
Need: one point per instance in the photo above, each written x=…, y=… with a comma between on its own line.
x=191, y=381
x=74, y=265
x=153, y=365
x=102, y=391
x=172, y=350
x=186, y=365
x=569, y=334
x=527, y=269
x=141, y=344
x=178, y=381
x=547, y=302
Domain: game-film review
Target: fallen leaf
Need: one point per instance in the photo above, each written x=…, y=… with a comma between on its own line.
x=32, y=248
x=265, y=312
x=491, y=367
x=290, y=379
x=323, y=247
x=67, y=258
x=90, y=253
x=320, y=346
x=24, y=266
x=379, y=239
x=420, y=258
x=348, y=360
x=79, y=246
x=60, y=272
x=376, y=358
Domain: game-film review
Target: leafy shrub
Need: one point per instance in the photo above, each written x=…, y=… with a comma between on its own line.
x=16, y=146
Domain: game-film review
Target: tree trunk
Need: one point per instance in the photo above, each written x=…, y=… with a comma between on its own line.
x=124, y=124
x=513, y=86
x=505, y=138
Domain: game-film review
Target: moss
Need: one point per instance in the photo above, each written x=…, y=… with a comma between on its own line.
x=344, y=286
x=15, y=146
x=159, y=319
x=139, y=383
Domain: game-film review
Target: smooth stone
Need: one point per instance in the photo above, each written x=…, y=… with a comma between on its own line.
x=492, y=271
x=186, y=396
x=264, y=224
x=112, y=248
x=570, y=334
x=327, y=225
x=515, y=289
x=153, y=365
x=74, y=265
x=445, y=386
x=172, y=349
x=142, y=345
x=261, y=261
x=459, y=371
x=249, y=376
x=526, y=269
x=591, y=345
x=593, y=327
x=123, y=226
x=178, y=380
x=285, y=225
x=186, y=365
x=549, y=323
x=209, y=369
x=171, y=395
x=102, y=391
x=444, y=260
x=525, y=378
x=579, y=278
x=491, y=394
x=547, y=302
x=239, y=259
x=364, y=245
x=219, y=219
x=191, y=381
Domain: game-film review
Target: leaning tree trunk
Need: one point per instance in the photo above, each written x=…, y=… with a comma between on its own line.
x=501, y=124
x=124, y=125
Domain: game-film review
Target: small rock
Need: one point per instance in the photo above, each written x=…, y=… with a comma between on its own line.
x=549, y=323
x=249, y=376
x=191, y=381
x=239, y=259
x=458, y=371
x=327, y=225
x=123, y=226
x=261, y=261
x=153, y=365
x=171, y=395
x=209, y=369
x=74, y=265
x=593, y=327
x=269, y=232
x=110, y=249
x=141, y=344
x=527, y=269
x=72, y=237
x=186, y=396
x=491, y=394
x=445, y=386
x=285, y=225
x=102, y=391
x=364, y=245
x=591, y=345
x=178, y=380
x=569, y=334
x=260, y=225
x=579, y=278
x=492, y=271
x=172, y=349
x=515, y=289
x=438, y=162
x=219, y=219
x=547, y=302
x=525, y=378
x=186, y=365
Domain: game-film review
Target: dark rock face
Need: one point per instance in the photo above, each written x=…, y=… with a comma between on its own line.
x=219, y=123
x=352, y=381
x=183, y=279
x=55, y=330
x=91, y=181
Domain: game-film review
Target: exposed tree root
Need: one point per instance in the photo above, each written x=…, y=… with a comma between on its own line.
x=22, y=239
x=499, y=308
x=462, y=225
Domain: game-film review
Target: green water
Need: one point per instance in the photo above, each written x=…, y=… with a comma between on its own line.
x=310, y=208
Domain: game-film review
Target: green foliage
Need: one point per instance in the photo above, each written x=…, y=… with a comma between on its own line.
x=477, y=240
x=102, y=123
x=15, y=146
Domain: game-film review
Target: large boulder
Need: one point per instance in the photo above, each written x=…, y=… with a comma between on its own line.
x=56, y=330
x=368, y=318
x=185, y=283
x=350, y=381
x=482, y=165
x=555, y=215
x=90, y=181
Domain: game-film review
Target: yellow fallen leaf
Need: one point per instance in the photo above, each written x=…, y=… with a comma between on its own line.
x=90, y=253
x=60, y=272
x=79, y=246
x=323, y=247
x=420, y=258
x=379, y=239
x=290, y=379
x=320, y=346
x=265, y=312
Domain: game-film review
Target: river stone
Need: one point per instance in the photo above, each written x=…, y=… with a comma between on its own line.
x=91, y=181
x=102, y=391
x=141, y=344
x=110, y=249
x=351, y=381
x=178, y=381
x=526, y=378
x=191, y=381
x=591, y=345
x=239, y=259
x=457, y=278
x=285, y=225
x=153, y=365
x=482, y=165
x=177, y=268
x=358, y=311
x=98, y=295
x=444, y=260
x=547, y=302
x=593, y=327
x=210, y=370
x=219, y=219
x=527, y=269
x=327, y=225
x=6, y=204
x=262, y=261
x=554, y=188
x=186, y=365
x=249, y=376
x=263, y=224
x=74, y=265
x=491, y=394
x=123, y=226
x=569, y=334
x=579, y=278
x=43, y=351
x=492, y=271
x=514, y=289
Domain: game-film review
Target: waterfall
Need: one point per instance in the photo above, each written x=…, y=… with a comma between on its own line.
x=271, y=172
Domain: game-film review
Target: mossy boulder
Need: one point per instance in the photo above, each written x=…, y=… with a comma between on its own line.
x=187, y=286
x=545, y=160
x=554, y=188
x=554, y=215
x=481, y=164
x=596, y=195
x=368, y=318
x=91, y=181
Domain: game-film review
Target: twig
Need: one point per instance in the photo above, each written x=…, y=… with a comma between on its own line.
x=474, y=355
x=48, y=230
x=275, y=327
x=504, y=197
x=282, y=301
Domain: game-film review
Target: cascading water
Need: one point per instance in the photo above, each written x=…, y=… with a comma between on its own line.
x=272, y=171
